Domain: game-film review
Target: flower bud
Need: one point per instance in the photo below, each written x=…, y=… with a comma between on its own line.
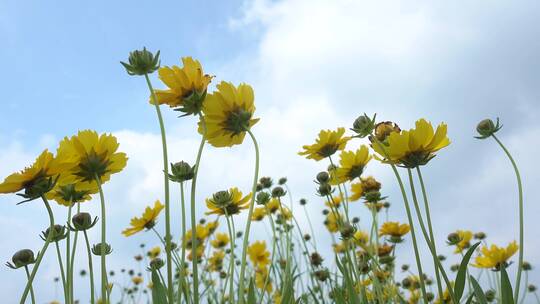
x=531, y=288
x=141, y=62
x=322, y=275
x=404, y=267
x=347, y=231
x=355, y=220
x=526, y=266
x=316, y=259
x=57, y=234
x=324, y=189
x=98, y=249
x=490, y=295
x=181, y=172
x=278, y=192
x=479, y=235
x=323, y=177
x=156, y=263
x=303, y=202
x=487, y=127
x=453, y=239
x=82, y=221
x=282, y=181
x=266, y=182
x=22, y=258
x=363, y=125
x=262, y=198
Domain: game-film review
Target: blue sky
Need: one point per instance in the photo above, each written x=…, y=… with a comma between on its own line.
x=313, y=65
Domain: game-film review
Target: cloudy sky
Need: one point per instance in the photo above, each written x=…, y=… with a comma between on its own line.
x=313, y=65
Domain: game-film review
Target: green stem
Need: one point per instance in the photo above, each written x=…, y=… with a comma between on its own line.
x=62, y=275
x=430, y=227
x=68, y=256
x=104, y=284
x=72, y=260
x=31, y=288
x=41, y=253
x=248, y=224
x=90, y=268
x=520, y=194
x=183, y=256
x=168, y=236
x=193, y=220
x=230, y=277
x=428, y=240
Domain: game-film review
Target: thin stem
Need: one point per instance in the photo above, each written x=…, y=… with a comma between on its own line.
x=62, y=275
x=183, y=256
x=90, y=268
x=31, y=288
x=72, y=260
x=428, y=241
x=104, y=286
x=193, y=220
x=230, y=277
x=248, y=224
x=168, y=236
x=41, y=253
x=430, y=227
x=68, y=256
x=520, y=194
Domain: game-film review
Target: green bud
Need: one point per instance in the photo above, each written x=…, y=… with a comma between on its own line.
x=323, y=177
x=490, y=295
x=141, y=62
x=347, y=231
x=282, y=181
x=363, y=125
x=22, y=258
x=453, y=238
x=98, y=249
x=487, y=127
x=57, y=234
x=156, y=263
x=278, y=192
x=324, y=189
x=82, y=221
x=266, y=182
x=262, y=198
x=181, y=172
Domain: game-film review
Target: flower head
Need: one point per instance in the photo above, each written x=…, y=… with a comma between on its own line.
x=186, y=86
x=352, y=164
x=495, y=257
x=227, y=202
x=462, y=240
x=413, y=148
x=141, y=62
x=37, y=179
x=93, y=155
x=327, y=143
x=228, y=114
x=221, y=240
x=258, y=254
x=146, y=221
x=394, y=230
x=70, y=193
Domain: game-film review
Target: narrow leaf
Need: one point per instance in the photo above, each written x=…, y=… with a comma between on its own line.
x=506, y=288
x=462, y=272
x=478, y=292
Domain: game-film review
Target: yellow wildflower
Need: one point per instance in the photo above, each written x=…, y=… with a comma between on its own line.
x=495, y=256
x=327, y=143
x=221, y=240
x=395, y=230
x=227, y=202
x=258, y=214
x=147, y=220
x=352, y=164
x=259, y=256
x=154, y=252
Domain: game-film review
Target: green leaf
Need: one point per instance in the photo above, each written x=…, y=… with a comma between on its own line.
x=251, y=293
x=469, y=300
x=159, y=293
x=506, y=288
x=462, y=272
x=478, y=292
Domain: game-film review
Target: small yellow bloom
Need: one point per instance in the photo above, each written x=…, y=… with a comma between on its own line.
x=46, y=167
x=273, y=205
x=262, y=280
x=465, y=237
x=334, y=202
x=332, y=222
x=228, y=114
x=67, y=194
x=146, y=221
x=361, y=238
x=154, y=252
x=227, y=202
x=495, y=256
x=259, y=256
x=415, y=147
x=201, y=233
x=212, y=226
x=137, y=280
x=221, y=240
x=182, y=82
x=394, y=229
x=352, y=164
x=215, y=262
x=199, y=252
x=356, y=191
x=327, y=143
x=258, y=214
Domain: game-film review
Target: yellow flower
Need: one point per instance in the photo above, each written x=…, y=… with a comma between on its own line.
x=183, y=83
x=340, y=247
x=361, y=238
x=221, y=240
x=199, y=252
x=137, y=280
x=415, y=147
x=215, y=262
x=94, y=155
x=495, y=256
x=227, y=202
x=394, y=229
x=211, y=226
x=465, y=237
x=352, y=164
x=356, y=191
x=285, y=213
x=327, y=143
x=259, y=256
x=262, y=280
x=201, y=233
x=273, y=205
x=147, y=220
x=258, y=214
x=335, y=202
x=70, y=193
x=38, y=178
x=228, y=114
x=154, y=252
x=332, y=222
